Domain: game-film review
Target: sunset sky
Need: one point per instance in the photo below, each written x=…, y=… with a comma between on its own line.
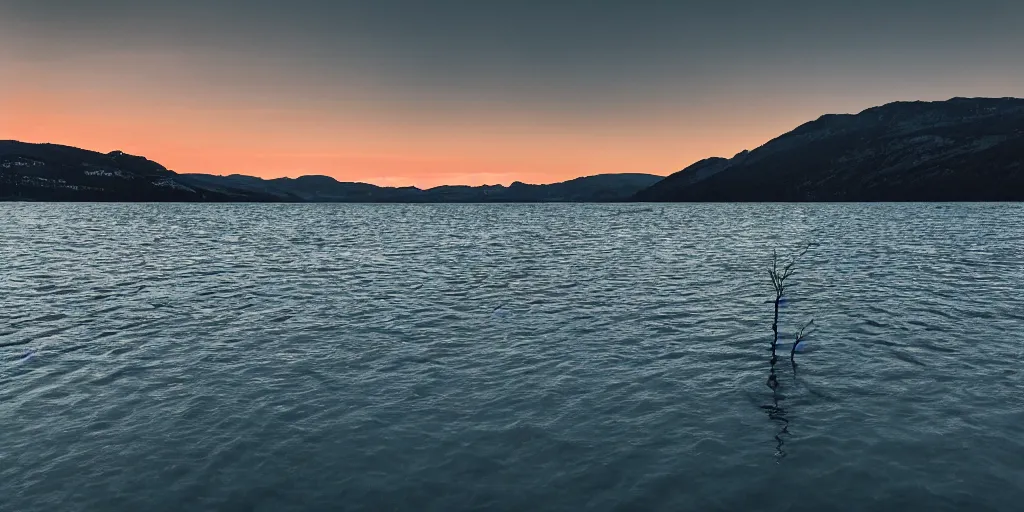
x=418, y=92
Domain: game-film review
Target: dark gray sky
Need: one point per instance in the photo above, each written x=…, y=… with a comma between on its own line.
x=571, y=50
x=568, y=63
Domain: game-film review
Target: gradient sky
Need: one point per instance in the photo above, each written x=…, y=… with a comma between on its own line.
x=428, y=92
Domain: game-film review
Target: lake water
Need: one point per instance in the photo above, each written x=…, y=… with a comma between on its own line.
x=508, y=357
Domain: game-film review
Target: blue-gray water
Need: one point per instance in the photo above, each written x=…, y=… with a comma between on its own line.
x=508, y=357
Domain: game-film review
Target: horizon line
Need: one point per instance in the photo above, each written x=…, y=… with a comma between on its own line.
x=385, y=182
x=293, y=177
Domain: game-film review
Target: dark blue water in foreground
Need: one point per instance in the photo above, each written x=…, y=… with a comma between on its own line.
x=532, y=357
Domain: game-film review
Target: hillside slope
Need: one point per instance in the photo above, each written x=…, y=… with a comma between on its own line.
x=964, y=149
x=50, y=172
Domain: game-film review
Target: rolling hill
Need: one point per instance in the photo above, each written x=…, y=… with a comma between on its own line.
x=964, y=149
x=50, y=172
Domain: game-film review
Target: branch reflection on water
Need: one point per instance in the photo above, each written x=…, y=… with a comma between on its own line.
x=776, y=412
x=779, y=274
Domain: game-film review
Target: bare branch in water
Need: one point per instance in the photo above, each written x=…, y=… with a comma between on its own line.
x=779, y=277
x=804, y=332
x=779, y=283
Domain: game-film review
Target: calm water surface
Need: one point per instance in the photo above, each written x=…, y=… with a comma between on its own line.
x=508, y=357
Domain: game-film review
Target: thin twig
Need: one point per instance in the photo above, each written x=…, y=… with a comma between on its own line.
x=779, y=283
x=805, y=331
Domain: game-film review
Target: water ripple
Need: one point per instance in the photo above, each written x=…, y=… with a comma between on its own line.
x=508, y=357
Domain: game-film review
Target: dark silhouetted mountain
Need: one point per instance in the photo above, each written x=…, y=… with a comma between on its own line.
x=600, y=188
x=303, y=189
x=957, y=150
x=49, y=172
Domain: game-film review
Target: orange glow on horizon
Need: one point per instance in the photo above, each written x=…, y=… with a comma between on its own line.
x=269, y=146
x=391, y=114
x=192, y=130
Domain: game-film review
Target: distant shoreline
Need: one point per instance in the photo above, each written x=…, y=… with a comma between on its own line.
x=960, y=150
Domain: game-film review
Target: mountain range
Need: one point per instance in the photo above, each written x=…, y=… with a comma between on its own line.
x=599, y=188
x=50, y=172
x=963, y=149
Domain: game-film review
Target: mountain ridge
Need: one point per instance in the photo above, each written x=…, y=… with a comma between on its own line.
x=53, y=172
x=962, y=149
